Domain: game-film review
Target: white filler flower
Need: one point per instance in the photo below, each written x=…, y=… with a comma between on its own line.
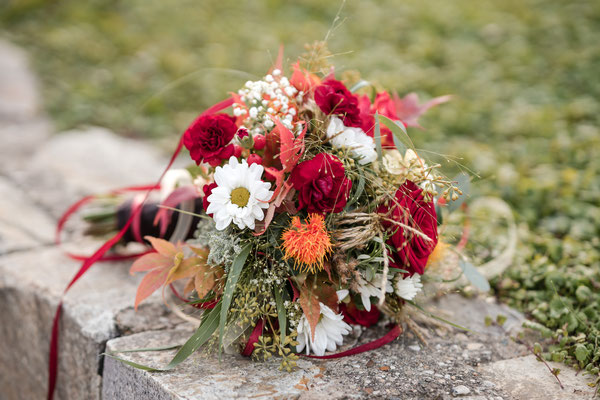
x=240, y=196
x=371, y=289
x=408, y=287
x=356, y=140
x=328, y=332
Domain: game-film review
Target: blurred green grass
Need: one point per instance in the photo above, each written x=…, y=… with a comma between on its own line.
x=525, y=75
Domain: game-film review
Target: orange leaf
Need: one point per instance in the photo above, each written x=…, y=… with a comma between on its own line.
x=186, y=268
x=149, y=284
x=291, y=149
x=150, y=261
x=311, y=309
x=204, y=282
x=163, y=247
x=303, y=80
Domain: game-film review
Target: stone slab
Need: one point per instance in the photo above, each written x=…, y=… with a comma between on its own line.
x=31, y=284
x=22, y=224
x=527, y=378
x=403, y=369
x=74, y=164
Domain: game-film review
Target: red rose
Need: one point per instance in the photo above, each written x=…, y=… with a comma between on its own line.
x=207, y=189
x=321, y=184
x=354, y=316
x=209, y=138
x=410, y=208
x=333, y=98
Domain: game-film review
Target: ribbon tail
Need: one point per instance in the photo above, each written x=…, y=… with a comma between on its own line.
x=53, y=358
x=256, y=332
x=375, y=344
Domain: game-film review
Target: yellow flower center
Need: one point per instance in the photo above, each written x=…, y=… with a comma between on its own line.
x=240, y=196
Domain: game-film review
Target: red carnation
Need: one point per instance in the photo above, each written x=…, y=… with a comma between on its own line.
x=354, y=316
x=410, y=208
x=333, y=98
x=321, y=184
x=207, y=189
x=209, y=138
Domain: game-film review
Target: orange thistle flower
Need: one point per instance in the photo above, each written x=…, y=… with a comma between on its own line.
x=307, y=243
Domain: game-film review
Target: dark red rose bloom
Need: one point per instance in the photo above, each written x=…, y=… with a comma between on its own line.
x=321, y=184
x=333, y=98
x=207, y=189
x=354, y=316
x=209, y=137
x=410, y=208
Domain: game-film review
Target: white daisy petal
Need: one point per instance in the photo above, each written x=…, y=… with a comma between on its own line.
x=328, y=332
x=409, y=287
x=239, y=175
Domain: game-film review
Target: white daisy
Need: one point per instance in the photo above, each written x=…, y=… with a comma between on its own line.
x=328, y=332
x=408, y=287
x=371, y=289
x=240, y=196
x=356, y=140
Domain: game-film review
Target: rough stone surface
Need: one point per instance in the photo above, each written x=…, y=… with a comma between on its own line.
x=22, y=224
x=30, y=287
x=91, y=161
x=527, y=378
x=405, y=369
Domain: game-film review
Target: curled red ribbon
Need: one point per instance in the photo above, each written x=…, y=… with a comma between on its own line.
x=375, y=344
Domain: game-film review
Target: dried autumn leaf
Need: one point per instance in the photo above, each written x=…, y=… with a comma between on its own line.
x=161, y=266
x=149, y=284
x=311, y=309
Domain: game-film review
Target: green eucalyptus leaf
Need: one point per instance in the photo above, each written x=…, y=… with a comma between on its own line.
x=232, y=278
x=377, y=137
x=281, y=314
x=359, y=85
x=474, y=276
x=401, y=138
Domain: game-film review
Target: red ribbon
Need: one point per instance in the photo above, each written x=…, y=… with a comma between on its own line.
x=88, y=262
x=375, y=344
x=76, y=206
x=207, y=305
x=253, y=339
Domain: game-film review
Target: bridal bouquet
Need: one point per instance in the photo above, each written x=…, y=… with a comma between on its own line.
x=317, y=214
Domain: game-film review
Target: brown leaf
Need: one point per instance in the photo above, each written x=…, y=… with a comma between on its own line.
x=327, y=295
x=185, y=269
x=204, y=282
x=311, y=308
